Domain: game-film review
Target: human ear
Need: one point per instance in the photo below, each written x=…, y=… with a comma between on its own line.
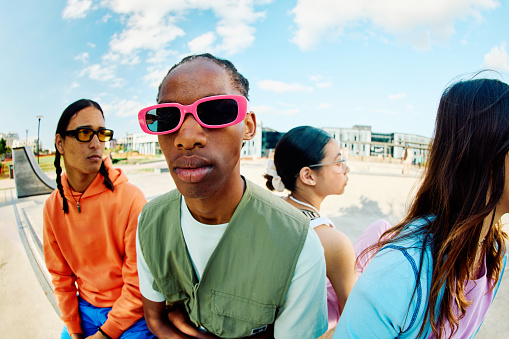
x=249, y=126
x=59, y=144
x=306, y=175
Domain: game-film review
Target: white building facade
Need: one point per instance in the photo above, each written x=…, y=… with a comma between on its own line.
x=356, y=139
x=30, y=142
x=360, y=140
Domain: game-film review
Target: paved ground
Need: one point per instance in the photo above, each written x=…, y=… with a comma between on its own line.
x=375, y=190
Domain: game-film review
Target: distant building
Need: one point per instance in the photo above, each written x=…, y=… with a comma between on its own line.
x=144, y=143
x=357, y=140
x=360, y=140
x=30, y=142
x=9, y=138
x=270, y=138
x=253, y=148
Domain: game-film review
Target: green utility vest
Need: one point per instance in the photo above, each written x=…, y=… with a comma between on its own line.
x=247, y=276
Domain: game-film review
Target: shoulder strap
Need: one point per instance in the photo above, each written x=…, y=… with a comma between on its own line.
x=310, y=214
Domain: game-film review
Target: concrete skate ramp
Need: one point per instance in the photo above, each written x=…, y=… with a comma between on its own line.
x=29, y=178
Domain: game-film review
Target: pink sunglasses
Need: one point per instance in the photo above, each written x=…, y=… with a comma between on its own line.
x=211, y=112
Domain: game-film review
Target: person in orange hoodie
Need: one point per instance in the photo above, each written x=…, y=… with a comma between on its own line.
x=90, y=223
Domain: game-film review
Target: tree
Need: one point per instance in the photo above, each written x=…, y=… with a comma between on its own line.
x=3, y=147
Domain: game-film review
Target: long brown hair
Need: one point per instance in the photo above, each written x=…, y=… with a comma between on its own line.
x=461, y=187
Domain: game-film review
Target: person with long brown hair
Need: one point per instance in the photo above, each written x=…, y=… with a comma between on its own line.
x=436, y=273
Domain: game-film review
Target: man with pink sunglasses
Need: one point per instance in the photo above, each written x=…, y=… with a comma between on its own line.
x=230, y=258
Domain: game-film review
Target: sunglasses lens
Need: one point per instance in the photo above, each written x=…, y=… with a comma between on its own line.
x=218, y=112
x=162, y=119
x=105, y=135
x=85, y=134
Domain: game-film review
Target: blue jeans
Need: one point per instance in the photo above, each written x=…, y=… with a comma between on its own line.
x=93, y=317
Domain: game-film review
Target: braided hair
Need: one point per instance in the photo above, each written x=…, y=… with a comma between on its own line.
x=239, y=81
x=62, y=125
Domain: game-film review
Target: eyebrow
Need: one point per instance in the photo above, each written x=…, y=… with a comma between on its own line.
x=338, y=155
x=89, y=126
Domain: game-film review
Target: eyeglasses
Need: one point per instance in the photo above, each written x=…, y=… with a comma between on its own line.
x=86, y=134
x=211, y=112
x=341, y=163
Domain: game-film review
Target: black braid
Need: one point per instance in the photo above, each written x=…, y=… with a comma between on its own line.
x=59, y=182
x=107, y=181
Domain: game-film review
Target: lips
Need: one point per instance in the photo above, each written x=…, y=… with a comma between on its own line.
x=192, y=168
x=95, y=157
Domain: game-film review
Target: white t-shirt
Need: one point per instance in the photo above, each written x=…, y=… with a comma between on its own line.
x=304, y=314
x=321, y=221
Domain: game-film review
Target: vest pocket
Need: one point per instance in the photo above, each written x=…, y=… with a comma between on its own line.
x=253, y=313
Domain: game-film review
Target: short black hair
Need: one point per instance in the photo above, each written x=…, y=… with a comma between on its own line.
x=239, y=81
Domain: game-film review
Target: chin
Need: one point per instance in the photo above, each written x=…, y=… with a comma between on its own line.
x=199, y=190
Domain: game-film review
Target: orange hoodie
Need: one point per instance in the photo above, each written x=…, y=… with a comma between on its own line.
x=93, y=253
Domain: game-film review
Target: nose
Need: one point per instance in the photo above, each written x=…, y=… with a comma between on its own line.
x=94, y=143
x=190, y=134
x=347, y=169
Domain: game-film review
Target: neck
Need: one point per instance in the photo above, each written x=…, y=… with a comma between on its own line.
x=487, y=224
x=80, y=182
x=305, y=199
x=218, y=208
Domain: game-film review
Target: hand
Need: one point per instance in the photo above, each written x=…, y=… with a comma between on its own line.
x=181, y=321
x=97, y=335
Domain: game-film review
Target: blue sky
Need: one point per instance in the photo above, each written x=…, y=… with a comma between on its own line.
x=333, y=63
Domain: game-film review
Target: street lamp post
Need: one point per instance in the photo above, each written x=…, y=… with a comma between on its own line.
x=26, y=138
x=39, y=117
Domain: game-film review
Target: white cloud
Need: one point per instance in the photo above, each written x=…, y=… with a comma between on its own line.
x=497, y=58
x=91, y=45
x=324, y=84
x=75, y=84
x=236, y=37
x=421, y=23
x=126, y=108
x=97, y=72
x=76, y=9
x=160, y=62
x=155, y=76
x=144, y=31
x=83, y=57
x=269, y=110
x=202, y=44
x=324, y=105
x=106, y=17
x=397, y=96
x=281, y=87
x=154, y=25
x=321, y=81
x=103, y=73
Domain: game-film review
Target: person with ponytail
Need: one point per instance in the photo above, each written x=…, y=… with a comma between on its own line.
x=310, y=164
x=436, y=273
x=89, y=232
